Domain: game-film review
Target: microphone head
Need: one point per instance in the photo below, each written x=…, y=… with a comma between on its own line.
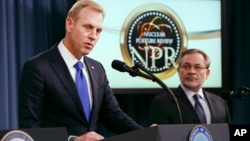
x=118, y=65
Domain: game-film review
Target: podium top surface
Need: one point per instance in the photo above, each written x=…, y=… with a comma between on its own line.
x=175, y=132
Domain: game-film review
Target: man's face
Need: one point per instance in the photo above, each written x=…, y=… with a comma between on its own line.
x=193, y=71
x=84, y=31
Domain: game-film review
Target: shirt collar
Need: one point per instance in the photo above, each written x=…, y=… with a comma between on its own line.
x=68, y=57
x=190, y=93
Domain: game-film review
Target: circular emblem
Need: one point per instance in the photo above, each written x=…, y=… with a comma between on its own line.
x=16, y=135
x=200, y=133
x=154, y=36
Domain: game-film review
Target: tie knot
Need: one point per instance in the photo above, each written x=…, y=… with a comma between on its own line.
x=78, y=65
x=196, y=97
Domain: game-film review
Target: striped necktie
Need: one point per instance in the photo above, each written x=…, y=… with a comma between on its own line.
x=199, y=109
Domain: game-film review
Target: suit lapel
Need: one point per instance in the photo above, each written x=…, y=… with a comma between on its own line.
x=186, y=106
x=62, y=72
x=211, y=103
x=93, y=78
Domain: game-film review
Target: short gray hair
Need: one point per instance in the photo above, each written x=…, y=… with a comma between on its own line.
x=190, y=51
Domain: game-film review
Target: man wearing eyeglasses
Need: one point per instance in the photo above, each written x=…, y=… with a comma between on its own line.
x=197, y=106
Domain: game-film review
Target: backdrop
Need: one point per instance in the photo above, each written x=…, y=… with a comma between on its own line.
x=29, y=27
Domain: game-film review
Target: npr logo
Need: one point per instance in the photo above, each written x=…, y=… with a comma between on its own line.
x=240, y=132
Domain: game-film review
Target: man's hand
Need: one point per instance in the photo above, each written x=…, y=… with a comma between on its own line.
x=153, y=125
x=90, y=136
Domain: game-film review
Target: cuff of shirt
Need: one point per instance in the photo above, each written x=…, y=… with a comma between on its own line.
x=72, y=138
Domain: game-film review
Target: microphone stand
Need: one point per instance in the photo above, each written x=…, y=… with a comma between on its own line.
x=164, y=86
x=135, y=72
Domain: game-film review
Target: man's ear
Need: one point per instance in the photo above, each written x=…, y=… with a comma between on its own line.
x=69, y=24
x=207, y=73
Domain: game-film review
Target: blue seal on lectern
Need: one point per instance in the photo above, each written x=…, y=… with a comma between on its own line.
x=200, y=133
x=16, y=135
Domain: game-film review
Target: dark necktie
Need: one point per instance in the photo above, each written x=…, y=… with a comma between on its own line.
x=199, y=109
x=82, y=87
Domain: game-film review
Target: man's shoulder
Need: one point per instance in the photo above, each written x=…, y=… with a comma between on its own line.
x=213, y=95
x=161, y=97
x=43, y=58
x=93, y=62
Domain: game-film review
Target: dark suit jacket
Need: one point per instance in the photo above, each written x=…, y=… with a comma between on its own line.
x=48, y=97
x=163, y=109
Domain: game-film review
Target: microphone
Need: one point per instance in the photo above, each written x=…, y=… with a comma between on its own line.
x=133, y=71
x=240, y=94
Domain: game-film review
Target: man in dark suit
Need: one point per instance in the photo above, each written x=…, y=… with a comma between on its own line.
x=48, y=95
x=193, y=70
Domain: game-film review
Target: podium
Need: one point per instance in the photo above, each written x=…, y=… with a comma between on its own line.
x=35, y=134
x=177, y=132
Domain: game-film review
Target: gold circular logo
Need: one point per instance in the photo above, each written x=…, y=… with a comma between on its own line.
x=154, y=36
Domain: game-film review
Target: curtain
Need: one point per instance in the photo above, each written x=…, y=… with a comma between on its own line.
x=27, y=28
x=239, y=21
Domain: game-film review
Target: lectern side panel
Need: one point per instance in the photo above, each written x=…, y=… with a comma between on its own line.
x=175, y=132
x=219, y=131
x=148, y=134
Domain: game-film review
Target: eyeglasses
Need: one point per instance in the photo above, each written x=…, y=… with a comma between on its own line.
x=196, y=68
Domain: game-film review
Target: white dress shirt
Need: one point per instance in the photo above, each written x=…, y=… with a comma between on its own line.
x=70, y=61
x=202, y=100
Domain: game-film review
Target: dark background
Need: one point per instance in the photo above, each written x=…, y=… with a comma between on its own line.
x=29, y=27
